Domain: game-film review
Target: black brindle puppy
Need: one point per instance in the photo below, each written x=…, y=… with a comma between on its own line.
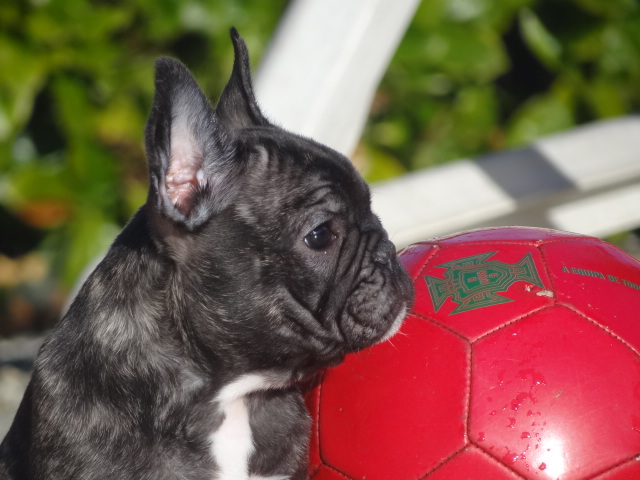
x=255, y=262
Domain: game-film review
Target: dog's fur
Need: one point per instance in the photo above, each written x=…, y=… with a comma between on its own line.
x=255, y=262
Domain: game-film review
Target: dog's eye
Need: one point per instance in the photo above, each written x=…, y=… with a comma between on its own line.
x=320, y=237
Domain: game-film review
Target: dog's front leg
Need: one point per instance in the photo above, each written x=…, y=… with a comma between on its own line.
x=280, y=425
x=264, y=431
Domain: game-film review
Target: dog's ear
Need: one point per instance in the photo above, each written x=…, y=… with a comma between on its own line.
x=237, y=107
x=190, y=147
x=179, y=140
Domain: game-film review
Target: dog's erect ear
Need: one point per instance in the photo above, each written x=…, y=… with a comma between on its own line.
x=187, y=151
x=190, y=147
x=237, y=107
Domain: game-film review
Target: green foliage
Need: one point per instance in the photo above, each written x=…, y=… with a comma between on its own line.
x=472, y=76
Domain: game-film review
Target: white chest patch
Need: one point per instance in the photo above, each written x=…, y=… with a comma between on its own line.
x=232, y=443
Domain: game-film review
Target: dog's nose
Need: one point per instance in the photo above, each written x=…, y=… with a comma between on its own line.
x=384, y=254
x=381, y=259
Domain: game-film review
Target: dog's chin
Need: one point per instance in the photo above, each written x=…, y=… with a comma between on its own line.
x=395, y=325
x=361, y=332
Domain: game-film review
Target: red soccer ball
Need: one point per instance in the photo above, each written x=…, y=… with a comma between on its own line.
x=519, y=360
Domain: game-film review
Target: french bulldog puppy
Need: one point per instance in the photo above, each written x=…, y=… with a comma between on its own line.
x=255, y=261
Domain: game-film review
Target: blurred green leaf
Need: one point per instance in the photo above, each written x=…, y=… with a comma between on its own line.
x=501, y=13
x=465, y=52
x=391, y=134
x=381, y=166
x=539, y=39
x=21, y=76
x=428, y=15
x=610, y=8
x=90, y=235
x=72, y=107
x=620, y=51
x=475, y=112
x=466, y=10
x=542, y=115
x=38, y=181
x=606, y=99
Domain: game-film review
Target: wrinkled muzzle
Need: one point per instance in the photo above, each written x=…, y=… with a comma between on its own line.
x=381, y=296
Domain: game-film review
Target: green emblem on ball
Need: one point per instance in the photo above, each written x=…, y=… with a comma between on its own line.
x=475, y=282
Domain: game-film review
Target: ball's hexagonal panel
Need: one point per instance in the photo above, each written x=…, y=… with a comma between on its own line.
x=424, y=392
x=543, y=406
x=472, y=463
x=460, y=282
x=602, y=281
